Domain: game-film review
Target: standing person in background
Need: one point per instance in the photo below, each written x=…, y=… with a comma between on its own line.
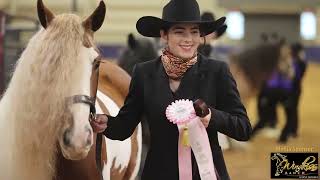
x=269, y=94
x=281, y=88
x=179, y=73
x=300, y=65
x=291, y=96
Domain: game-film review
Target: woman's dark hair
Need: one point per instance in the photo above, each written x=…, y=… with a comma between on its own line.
x=166, y=27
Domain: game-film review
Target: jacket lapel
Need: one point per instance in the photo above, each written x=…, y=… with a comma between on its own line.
x=160, y=90
x=191, y=83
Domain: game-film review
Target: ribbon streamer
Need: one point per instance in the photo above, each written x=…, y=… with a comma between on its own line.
x=182, y=113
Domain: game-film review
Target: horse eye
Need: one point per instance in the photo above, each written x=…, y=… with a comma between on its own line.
x=96, y=64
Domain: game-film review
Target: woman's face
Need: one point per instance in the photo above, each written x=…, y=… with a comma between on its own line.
x=182, y=39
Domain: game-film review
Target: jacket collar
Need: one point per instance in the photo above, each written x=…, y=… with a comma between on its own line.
x=190, y=85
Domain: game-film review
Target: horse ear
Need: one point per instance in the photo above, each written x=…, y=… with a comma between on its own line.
x=132, y=43
x=95, y=20
x=44, y=14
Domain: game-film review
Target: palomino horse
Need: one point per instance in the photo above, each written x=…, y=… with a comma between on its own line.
x=45, y=112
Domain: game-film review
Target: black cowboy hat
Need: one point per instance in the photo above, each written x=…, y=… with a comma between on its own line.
x=221, y=30
x=208, y=16
x=177, y=11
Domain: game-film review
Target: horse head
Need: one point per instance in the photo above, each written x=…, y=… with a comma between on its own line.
x=138, y=50
x=72, y=40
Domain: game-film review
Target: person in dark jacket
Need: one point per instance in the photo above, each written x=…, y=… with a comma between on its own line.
x=179, y=73
x=292, y=102
x=286, y=91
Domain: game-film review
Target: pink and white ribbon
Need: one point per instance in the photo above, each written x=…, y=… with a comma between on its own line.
x=182, y=113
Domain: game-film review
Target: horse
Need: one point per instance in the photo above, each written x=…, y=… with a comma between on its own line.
x=45, y=111
x=137, y=50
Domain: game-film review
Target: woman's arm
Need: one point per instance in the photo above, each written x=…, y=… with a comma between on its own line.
x=230, y=117
x=123, y=125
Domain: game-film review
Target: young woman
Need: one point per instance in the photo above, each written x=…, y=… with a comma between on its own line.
x=179, y=73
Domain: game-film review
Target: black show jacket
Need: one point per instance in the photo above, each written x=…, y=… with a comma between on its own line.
x=150, y=94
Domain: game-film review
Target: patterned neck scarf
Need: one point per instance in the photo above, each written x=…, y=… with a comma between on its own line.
x=174, y=66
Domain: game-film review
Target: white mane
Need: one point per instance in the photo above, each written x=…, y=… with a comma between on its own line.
x=33, y=107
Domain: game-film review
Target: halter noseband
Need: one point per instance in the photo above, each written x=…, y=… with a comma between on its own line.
x=85, y=100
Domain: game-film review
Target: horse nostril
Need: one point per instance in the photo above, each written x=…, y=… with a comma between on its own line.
x=66, y=137
x=89, y=141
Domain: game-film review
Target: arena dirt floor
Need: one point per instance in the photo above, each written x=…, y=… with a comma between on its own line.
x=252, y=160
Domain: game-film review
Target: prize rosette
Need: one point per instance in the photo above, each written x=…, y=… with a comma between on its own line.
x=192, y=135
x=180, y=112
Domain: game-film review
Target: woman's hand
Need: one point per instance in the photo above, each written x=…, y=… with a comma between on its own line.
x=202, y=111
x=99, y=124
x=206, y=120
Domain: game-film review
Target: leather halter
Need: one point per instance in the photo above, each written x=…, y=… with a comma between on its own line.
x=94, y=87
x=91, y=100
